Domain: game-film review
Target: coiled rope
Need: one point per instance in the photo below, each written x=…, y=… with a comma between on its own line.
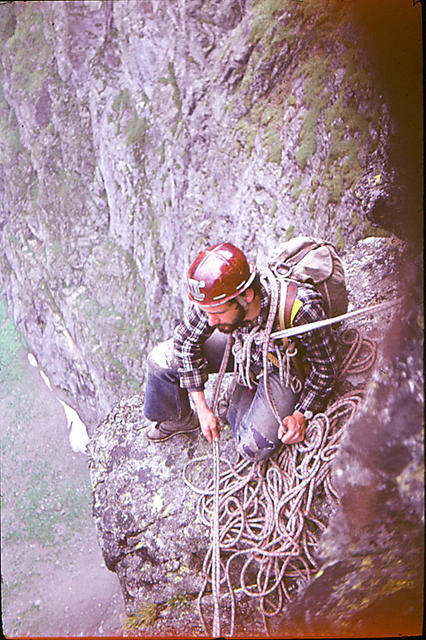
x=262, y=515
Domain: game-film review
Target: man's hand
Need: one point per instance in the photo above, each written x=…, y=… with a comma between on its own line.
x=208, y=422
x=293, y=428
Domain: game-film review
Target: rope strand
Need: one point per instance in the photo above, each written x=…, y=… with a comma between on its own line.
x=263, y=515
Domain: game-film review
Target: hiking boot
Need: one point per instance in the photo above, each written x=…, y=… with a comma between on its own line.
x=164, y=430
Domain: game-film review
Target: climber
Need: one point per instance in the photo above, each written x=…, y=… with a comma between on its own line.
x=229, y=295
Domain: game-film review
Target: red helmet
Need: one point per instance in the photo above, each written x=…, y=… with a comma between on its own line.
x=219, y=274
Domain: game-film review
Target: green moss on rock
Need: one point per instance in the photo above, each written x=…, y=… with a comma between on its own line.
x=307, y=137
x=9, y=130
x=121, y=101
x=136, y=129
x=295, y=187
x=176, y=91
x=290, y=232
x=339, y=241
x=264, y=15
x=28, y=43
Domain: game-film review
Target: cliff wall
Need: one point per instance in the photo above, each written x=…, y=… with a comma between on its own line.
x=135, y=132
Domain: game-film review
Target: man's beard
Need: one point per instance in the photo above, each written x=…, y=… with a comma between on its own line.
x=229, y=328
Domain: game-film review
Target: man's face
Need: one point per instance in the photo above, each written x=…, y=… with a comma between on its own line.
x=226, y=317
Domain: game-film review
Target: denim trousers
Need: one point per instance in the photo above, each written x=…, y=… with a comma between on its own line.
x=252, y=421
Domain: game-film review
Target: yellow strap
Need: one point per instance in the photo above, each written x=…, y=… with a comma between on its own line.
x=296, y=306
x=281, y=315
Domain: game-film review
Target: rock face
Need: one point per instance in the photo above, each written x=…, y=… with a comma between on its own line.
x=134, y=133
x=146, y=516
x=142, y=131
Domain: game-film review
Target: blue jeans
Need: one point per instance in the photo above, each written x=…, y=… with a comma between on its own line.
x=252, y=421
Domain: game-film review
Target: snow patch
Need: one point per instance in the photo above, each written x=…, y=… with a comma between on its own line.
x=78, y=432
x=32, y=360
x=45, y=379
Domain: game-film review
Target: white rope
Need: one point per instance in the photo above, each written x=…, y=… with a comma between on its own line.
x=294, y=495
x=266, y=523
x=215, y=575
x=216, y=542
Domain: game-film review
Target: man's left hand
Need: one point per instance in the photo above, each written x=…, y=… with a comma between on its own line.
x=293, y=428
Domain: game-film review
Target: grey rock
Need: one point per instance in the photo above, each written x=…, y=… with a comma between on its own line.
x=144, y=512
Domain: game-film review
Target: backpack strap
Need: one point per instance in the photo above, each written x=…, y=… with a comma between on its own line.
x=289, y=304
x=288, y=307
x=292, y=261
x=297, y=257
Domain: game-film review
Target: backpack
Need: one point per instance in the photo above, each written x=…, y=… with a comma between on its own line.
x=313, y=262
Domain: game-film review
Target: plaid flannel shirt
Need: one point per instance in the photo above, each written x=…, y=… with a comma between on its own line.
x=317, y=348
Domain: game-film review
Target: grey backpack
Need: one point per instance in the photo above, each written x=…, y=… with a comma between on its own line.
x=313, y=262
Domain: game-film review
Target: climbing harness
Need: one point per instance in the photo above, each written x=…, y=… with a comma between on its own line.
x=242, y=351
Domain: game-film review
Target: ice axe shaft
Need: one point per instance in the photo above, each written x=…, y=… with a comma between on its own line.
x=304, y=328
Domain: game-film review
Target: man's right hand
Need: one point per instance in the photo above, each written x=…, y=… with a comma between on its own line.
x=208, y=422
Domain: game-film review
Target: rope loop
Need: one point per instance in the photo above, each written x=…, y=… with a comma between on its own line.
x=292, y=354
